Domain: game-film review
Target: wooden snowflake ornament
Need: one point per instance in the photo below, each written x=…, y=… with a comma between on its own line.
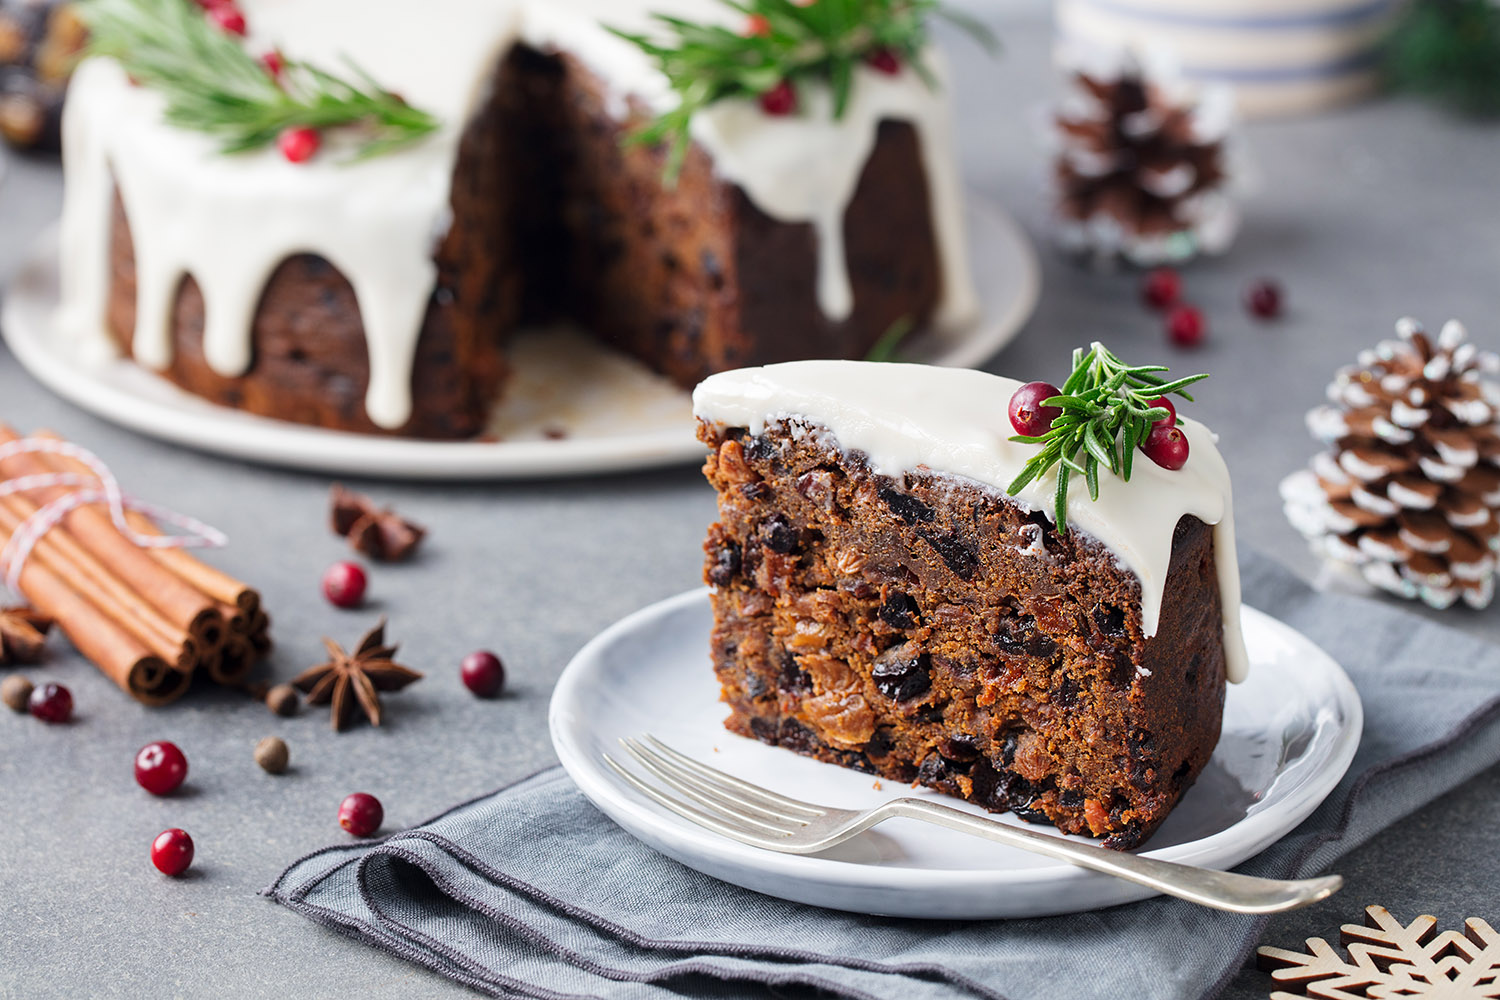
x=1388, y=961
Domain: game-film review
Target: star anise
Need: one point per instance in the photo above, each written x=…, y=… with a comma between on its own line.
x=23, y=633
x=378, y=532
x=346, y=680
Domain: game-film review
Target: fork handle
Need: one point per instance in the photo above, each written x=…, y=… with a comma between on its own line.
x=1205, y=886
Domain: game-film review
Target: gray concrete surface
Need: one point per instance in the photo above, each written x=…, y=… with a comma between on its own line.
x=1364, y=215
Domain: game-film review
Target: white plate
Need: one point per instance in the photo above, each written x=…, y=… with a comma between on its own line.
x=1290, y=732
x=573, y=406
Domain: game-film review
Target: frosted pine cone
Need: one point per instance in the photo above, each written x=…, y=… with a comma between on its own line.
x=1141, y=170
x=40, y=40
x=1408, y=489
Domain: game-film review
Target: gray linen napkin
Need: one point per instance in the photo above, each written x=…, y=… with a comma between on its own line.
x=531, y=892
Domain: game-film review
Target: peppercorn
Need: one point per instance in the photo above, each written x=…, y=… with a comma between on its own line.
x=283, y=700
x=272, y=755
x=15, y=691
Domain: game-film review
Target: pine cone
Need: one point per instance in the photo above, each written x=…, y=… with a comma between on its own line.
x=39, y=41
x=1140, y=174
x=1408, y=488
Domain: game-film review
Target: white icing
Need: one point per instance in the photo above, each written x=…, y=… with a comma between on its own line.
x=228, y=221
x=953, y=421
x=805, y=167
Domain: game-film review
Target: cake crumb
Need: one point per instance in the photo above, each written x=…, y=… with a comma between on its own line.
x=878, y=786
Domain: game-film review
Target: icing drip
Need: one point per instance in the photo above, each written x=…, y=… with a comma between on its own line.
x=229, y=221
x=806, y=168
x=953, y=421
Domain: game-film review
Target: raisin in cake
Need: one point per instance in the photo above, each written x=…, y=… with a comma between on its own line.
x=882, y=603
x=377, y=295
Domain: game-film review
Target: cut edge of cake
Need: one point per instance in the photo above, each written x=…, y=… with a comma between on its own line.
x=882, y=603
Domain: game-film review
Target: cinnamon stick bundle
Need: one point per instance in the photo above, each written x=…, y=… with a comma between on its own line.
x=147, y=617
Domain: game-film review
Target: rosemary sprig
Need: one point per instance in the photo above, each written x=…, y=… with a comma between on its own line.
x=705, y=63
x=213, y=85
x=1106, y=415
x=886, y=348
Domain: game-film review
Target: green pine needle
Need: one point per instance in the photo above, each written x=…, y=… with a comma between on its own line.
x=886, y=348
x=706, y=63
x=1449, y=50
x=213, y=85
x=1107, y=414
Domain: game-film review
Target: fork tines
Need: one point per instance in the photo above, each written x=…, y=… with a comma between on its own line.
x=725, y=803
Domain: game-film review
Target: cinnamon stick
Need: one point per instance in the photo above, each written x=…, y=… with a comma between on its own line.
x=68, y=561
x=260, y=634
x=122, y=657
x=179, y=602
x=222, y=587
x=234, y=662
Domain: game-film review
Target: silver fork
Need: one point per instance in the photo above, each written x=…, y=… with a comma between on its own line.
x=763, y=818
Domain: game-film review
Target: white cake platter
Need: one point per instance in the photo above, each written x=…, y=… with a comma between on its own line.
x=573, y=407
x=1290, y=732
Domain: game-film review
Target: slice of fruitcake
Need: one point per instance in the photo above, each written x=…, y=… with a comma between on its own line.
x=902, y=586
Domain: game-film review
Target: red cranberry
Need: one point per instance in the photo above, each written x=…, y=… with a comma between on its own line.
x=1170, y=420
x=299, y=144
x=344, y=585
x=1162, y=288
x=1166, y=446
x=172, y=851
x=1027, y=414
x=160, y=767
x=483, y=673
x=780, y=99
x=228, y=17
x=884, y=60
x=360, y=814
x=1263, y=299
x=273, y=62
x=1186, y=326
x=757, y=26
x=51, y=703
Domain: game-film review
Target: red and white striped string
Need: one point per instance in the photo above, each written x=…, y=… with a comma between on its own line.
x=100, y=487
